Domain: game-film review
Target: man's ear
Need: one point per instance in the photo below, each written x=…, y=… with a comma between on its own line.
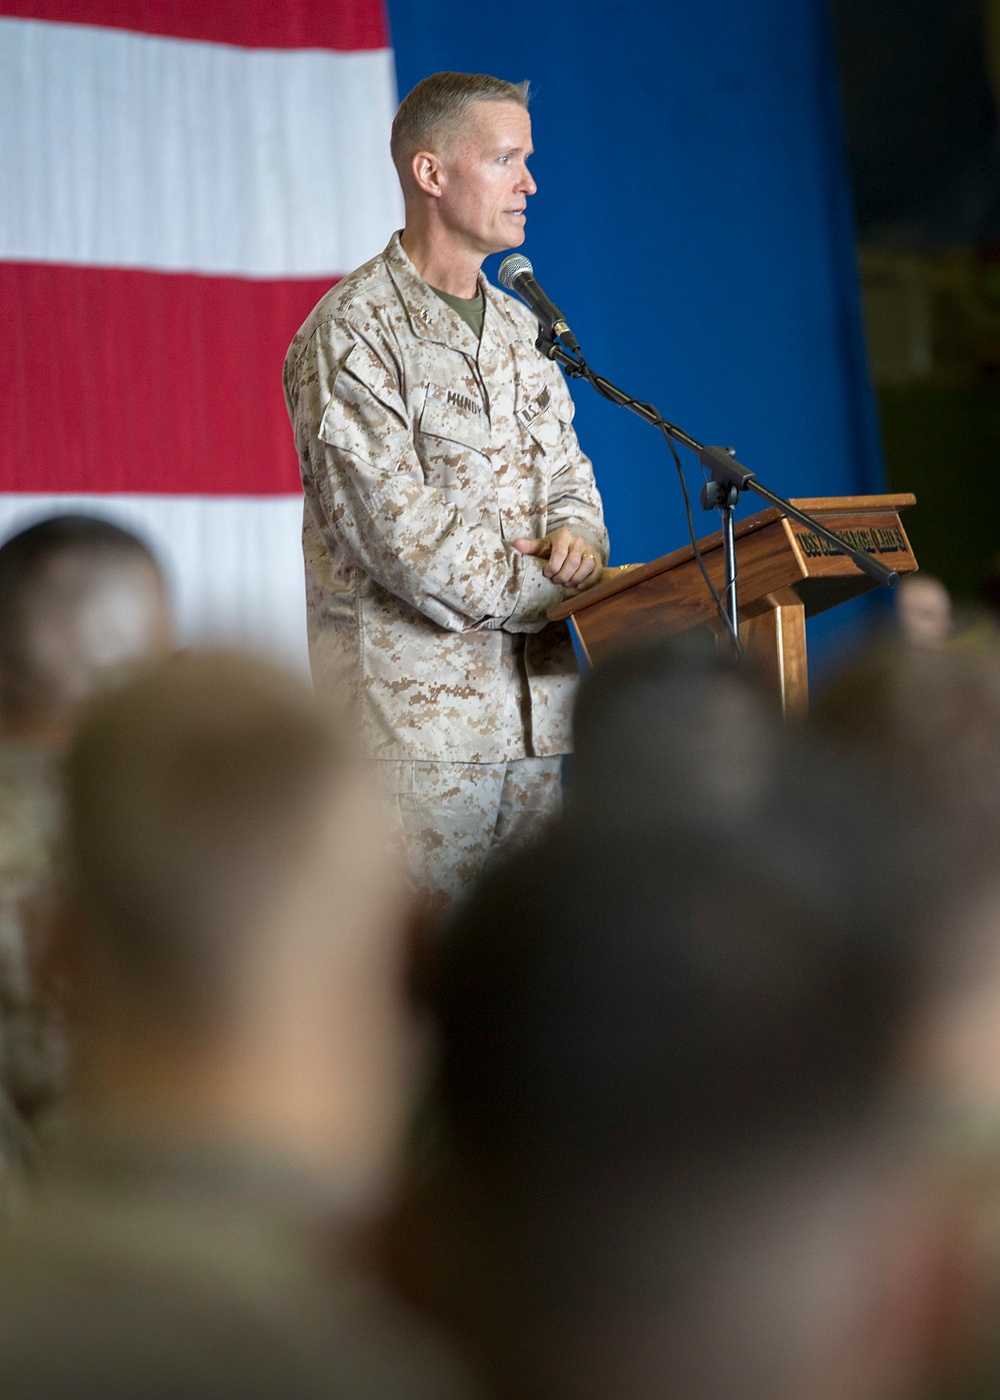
x=426, y=168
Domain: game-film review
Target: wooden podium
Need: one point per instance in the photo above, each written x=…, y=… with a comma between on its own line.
x=785, y=573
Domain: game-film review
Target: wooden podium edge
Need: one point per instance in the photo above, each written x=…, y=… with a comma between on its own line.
x=638, y=573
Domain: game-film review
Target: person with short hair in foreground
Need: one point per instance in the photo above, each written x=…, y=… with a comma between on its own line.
x=669, y=1161
x=928, y=719
x=83, y=605
x=235, y=955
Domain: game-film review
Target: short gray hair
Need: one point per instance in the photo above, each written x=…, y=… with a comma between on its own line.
x=438, y=101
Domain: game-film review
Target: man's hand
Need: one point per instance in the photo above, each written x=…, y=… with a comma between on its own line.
x=571, y=559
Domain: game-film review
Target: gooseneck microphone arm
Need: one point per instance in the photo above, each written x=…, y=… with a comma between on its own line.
x=727, y=477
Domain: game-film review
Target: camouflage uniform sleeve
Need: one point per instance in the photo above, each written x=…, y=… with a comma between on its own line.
x=574, y=501
x=361, y=471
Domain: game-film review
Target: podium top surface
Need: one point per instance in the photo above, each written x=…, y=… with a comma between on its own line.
x=884, y=505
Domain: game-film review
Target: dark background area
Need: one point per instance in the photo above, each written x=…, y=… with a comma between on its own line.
x=918, y=79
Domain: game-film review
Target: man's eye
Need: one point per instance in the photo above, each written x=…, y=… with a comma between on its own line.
x=504, y=160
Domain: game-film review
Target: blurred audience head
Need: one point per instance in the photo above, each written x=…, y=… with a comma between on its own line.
x=676, y=734
x=237, y=940
x=670, y=1035
x=672, y=730
x=923, y=610
x=929, y=722
x=664, y=1084
x=82, y=604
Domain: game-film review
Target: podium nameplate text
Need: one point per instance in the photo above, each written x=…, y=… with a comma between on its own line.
x=785, y=572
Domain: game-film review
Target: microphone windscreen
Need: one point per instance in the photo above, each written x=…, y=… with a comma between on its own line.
x=511, y=268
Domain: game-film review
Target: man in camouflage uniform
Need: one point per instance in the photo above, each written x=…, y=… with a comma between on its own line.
x=449, y=505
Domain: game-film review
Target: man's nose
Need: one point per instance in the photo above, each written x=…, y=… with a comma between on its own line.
x=526, y=184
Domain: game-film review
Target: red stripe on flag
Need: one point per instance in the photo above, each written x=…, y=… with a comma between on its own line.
x=254, y=24
x=116, y=380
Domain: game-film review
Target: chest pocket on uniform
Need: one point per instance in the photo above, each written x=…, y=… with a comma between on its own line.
x=454, y=423
x=451, y=443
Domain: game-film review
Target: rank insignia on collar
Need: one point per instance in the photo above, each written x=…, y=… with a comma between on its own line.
x=425, y=316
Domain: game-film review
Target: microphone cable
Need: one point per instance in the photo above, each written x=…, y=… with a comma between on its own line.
x=653, y=415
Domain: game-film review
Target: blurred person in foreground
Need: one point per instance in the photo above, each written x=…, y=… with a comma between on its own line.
x=930, y=722
x=669, y=1161
x=83, y=604
x=677, y=735
x=673, y=731
x=235, y=955
x=669, y=1165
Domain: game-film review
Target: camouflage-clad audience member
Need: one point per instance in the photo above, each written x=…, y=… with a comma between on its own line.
x=82, y=603
x=243, y=1054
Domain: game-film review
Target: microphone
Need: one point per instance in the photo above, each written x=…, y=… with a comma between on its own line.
x=517, y=275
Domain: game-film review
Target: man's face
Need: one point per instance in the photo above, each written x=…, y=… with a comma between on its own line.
x=485, y=182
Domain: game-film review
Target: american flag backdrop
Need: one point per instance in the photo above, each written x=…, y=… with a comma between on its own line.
x=179, y=184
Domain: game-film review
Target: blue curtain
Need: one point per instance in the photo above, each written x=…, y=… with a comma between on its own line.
x=693, y=220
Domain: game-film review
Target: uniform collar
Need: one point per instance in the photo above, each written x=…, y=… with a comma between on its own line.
x=432, y=319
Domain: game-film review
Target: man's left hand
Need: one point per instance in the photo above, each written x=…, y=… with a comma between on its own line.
x=572, y=560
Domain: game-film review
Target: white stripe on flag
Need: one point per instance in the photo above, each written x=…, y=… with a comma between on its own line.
x=234, y=563
x=129, y=150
